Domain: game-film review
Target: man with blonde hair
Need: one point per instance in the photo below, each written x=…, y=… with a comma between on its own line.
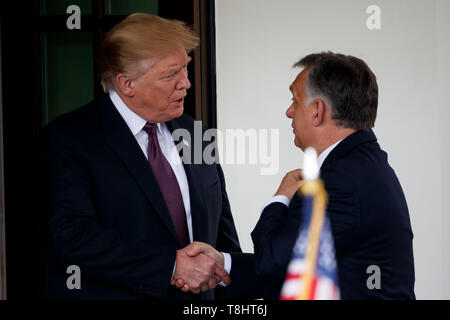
x=119, y=204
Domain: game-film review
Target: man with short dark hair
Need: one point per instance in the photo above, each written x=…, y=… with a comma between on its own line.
x=334, y=107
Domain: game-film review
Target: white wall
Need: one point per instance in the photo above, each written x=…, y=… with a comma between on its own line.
x=443, y=87
x=257, y=43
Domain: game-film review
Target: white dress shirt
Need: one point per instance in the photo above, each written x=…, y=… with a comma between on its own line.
x=136, y=124
x=320, y=159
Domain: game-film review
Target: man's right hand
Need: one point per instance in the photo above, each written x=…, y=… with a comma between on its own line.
x=200, y=272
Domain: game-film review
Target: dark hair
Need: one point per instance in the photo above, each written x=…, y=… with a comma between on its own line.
x=347, y=83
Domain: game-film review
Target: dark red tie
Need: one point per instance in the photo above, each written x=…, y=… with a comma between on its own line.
x=168, y=184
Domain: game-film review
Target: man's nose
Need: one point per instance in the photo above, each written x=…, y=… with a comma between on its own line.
x=290, y=112
x=184, y=82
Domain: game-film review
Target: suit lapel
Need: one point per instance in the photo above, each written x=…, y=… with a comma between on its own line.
x=195, y=178
x=124, y=144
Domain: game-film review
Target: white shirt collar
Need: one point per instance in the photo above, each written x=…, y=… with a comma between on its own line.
x=326, y=152
x=132, y=119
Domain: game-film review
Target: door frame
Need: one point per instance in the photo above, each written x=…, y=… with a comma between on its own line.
x=2, y=211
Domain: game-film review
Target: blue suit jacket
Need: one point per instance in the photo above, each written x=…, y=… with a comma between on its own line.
x=369, y=219
x=103, y=211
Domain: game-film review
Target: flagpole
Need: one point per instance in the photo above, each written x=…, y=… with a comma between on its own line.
x=313, y=187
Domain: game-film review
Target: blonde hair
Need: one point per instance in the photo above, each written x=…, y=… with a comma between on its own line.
x=139, y=37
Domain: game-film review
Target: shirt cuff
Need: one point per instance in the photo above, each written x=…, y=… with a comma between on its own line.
x=226, y=266
x=283, y=199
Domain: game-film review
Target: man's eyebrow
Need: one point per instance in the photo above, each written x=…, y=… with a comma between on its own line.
x=175, y=67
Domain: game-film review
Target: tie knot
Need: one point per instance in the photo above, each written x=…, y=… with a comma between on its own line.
x=150, y=128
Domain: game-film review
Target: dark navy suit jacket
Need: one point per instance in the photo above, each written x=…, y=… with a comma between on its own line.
x=104, y=212
x=369, y=220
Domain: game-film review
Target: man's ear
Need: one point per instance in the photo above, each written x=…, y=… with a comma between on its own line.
x=318, y=112
x=125, y=85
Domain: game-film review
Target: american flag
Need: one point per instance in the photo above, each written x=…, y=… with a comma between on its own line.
x=312, y=271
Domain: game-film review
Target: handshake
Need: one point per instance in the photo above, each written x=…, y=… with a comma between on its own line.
x=199, y=267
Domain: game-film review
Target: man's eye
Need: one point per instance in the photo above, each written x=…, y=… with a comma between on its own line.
x=169, y=77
